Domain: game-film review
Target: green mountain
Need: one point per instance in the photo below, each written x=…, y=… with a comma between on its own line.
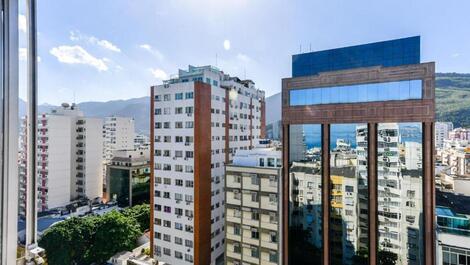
x=453, y=98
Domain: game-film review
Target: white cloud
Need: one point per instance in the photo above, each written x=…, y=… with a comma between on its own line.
x=158, y=73
x=152, y=50
x=77, y=36
x=77, y=55
x=227, y=45
x=455, y=55
x=22, y=23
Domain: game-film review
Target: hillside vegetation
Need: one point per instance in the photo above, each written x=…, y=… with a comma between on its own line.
x=453, y=98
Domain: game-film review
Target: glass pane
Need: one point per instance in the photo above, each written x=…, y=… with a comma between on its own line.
x=305, y=195
x=400, y=182
x=349, y=194
x=399, y=90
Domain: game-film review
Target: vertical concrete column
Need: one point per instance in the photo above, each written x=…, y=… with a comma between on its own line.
x=372, y=186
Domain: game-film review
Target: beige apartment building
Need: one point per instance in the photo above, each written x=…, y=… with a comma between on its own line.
x=253, y=208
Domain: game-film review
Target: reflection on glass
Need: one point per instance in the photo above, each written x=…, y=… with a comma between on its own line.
x=349, y=194
x=397, y=90
x=400, y=182
x=305, y=196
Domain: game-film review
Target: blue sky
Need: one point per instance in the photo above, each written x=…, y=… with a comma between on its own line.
x=115, y=49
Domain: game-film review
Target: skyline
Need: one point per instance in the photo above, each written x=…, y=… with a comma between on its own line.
x=90, y=60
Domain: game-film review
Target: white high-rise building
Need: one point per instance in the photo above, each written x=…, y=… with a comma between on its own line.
x=118, y=133
x=441, y=130
x=399, y=194
x=200, y=120
x=69, y=157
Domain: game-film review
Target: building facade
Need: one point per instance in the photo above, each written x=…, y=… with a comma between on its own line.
x=442, y=130
x=118, y=134
x=359, y=156
x=128, y=177
x=453, y=237
x=459, y=134
x=253, y=207
x=69, y=155
x=198, y=120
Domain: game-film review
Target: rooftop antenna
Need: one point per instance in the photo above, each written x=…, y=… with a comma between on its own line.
x=244, y=73
x=300, y=48
x=216, y=59
x=310, y=47
x=74, y=97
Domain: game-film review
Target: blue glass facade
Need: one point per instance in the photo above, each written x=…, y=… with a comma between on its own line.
x=386, y=53
x=398, y=90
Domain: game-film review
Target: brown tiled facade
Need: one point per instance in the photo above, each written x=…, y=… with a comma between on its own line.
x=370, y=113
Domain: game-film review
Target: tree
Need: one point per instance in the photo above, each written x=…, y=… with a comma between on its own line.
x=94, y=239
x=140, y=213
x=115, y=232
x=68, y=242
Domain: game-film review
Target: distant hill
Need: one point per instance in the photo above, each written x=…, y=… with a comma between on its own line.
x=137, y=108
x=453, y=98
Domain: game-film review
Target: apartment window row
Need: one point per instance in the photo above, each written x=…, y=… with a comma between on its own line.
x=177, y=254
x=177, y=96
x=178, y=110
x=167, y=181
x=177, y=226
x=176, y=168
x=177, y=153
x=179, y=212
x=187, y=140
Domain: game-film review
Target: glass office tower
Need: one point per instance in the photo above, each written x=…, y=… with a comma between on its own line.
x=358, y=159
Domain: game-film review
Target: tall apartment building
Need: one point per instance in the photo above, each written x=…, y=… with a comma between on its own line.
x=359, y=156
x=253, y=207
x=199, y=120
x=69, y=157
x=441, y=130
x=118, y=134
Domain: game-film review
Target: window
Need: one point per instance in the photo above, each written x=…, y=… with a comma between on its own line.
x=178, y=255
x=179, y=110
x=166, y=238
x=188, y=243
x=255, y=215
x=189, y=110
x=273, y=237
x=166, y=97
x=188, y=257
x=178, y=240
x=179, y=182
x=189, y=184
x=273, y=256
x=237, y=248
x=189, y=95
x=189, y=124
x=254, y=233
x=237, y=229
x=167, y=251
x=254, y=197
x=178, y=96
x=254, y=252
x=254, y=179
x=158, y=111
x=397, y=90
